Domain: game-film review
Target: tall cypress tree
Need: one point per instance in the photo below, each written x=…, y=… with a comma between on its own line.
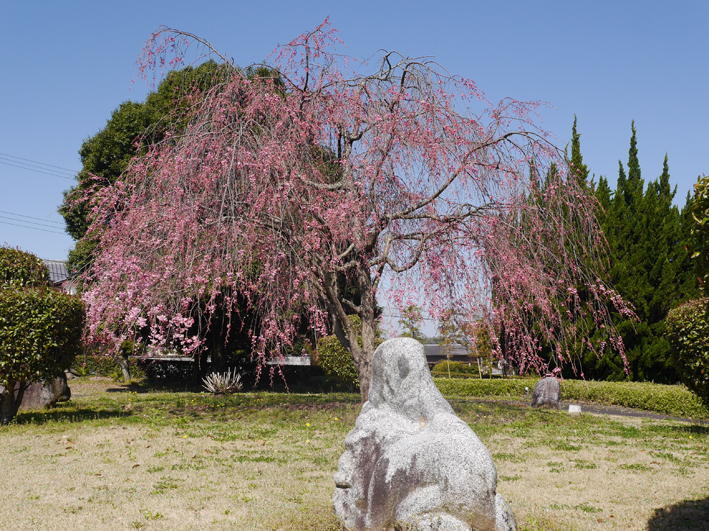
x=635, y=182
x=579, y=169
x=649, y=266
x=603, y=193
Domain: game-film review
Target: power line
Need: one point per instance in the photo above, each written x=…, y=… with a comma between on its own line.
x=29, y=222
x=36, y=162
x=28, y=227
x=37, y=170
x=17, y=214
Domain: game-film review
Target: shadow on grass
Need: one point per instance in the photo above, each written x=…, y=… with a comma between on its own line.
x=689, y=514
x=67, y=415
x=149, y=386
x=699, y=429
x=277, y=387
x=693, y=429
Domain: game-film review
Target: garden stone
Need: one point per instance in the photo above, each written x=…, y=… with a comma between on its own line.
x=410, y=462
x=546, y=393
x=40, y=395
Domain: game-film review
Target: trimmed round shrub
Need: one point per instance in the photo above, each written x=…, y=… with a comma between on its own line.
x=40, y=333
x=337, y=363
x=687, y=328
x=19, y=269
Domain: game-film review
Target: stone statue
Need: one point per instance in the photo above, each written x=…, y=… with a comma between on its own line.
x=546, y=393
x=410, y=462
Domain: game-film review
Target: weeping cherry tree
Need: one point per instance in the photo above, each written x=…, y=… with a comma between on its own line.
x=289, y=191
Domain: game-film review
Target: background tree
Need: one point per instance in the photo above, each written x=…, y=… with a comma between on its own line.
x=449, y=332
x=576, y=164
x=410, y=320
x=697, y=217
x=240, y=201
x=131, y=130
x=687, y=326
x=132, y=127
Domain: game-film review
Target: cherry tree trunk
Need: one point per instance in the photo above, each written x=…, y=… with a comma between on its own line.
x=363, y=353
x=125, y=368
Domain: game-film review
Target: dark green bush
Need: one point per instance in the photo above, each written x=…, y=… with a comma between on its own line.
x=455, y=369
x=337, y=363
x=40, y=333
x=667, y=399
x=687, y=328
x=19, y=269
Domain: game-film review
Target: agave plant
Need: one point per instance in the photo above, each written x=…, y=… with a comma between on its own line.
x=223, y=383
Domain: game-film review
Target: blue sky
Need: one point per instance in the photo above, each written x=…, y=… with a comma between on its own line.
x=68, y=64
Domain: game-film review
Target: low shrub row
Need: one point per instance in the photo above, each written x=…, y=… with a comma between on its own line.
x=667, y=399
x=455, y=369
x=101, y=365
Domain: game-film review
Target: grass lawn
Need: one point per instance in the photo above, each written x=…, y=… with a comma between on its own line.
x=112, y=458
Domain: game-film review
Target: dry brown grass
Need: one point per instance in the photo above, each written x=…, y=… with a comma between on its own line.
x=598, y=482
x=120, y=460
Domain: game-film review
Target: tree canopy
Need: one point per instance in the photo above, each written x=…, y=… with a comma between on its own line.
x=404, y=176
x=130, y=129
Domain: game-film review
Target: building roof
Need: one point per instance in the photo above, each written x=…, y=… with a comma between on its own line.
x=58, y=272
x=440, y=351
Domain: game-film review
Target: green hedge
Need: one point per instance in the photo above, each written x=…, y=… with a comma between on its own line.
x=687, y=329
x=19, y=269
x=88, y=364
x=101, y=365
x=40, y=333
x=455, y=369
x=667, y=399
